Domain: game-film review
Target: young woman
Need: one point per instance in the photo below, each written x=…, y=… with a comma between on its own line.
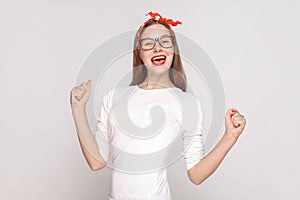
x=157, y=75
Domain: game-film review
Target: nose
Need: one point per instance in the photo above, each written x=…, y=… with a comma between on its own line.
x=157, y=47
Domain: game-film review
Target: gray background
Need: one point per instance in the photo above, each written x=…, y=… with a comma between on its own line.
x=43, y=44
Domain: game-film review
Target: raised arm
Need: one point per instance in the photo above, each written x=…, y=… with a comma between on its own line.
x=234, y=123
x=78, y=99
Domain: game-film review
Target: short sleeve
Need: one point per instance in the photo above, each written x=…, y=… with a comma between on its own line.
x=102, y=130
x=193, y=147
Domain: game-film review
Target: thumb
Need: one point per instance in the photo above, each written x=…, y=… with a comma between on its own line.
x=87, y=91
x=88, y=86
x=228, y=117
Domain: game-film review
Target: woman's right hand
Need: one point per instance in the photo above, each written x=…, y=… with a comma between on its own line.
x=79, y=95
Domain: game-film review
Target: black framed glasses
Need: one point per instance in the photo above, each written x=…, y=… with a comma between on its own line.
x=164, y=41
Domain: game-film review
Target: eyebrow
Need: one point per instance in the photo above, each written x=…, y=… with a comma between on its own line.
x=152, y=38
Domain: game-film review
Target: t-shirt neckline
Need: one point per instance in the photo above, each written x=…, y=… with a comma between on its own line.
x=157, y=89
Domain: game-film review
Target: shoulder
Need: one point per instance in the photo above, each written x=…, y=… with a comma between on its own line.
x=114, y=93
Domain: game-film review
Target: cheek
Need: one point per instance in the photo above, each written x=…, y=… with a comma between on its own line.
x=145, y=56
x=170, y=57
x=170, y=52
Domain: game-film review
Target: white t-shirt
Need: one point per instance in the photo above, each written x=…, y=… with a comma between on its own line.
x=140, y=132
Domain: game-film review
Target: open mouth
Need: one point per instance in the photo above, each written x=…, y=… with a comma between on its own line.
x=158, y=60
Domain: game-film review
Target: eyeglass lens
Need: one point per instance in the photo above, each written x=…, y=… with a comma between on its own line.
x=165, y=42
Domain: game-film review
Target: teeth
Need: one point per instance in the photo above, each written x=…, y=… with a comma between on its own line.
x=159, y=57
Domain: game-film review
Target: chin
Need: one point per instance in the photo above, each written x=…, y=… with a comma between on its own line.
x=158, y=70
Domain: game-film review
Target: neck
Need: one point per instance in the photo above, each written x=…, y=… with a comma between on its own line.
x=156, y=82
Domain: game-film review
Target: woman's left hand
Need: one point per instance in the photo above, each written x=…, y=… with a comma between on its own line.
x=234, y=123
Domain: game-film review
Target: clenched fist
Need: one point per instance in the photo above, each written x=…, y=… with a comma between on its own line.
x=79, y=95
x=234, y=123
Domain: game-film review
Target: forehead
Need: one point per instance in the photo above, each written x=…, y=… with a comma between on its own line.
x=155, y=30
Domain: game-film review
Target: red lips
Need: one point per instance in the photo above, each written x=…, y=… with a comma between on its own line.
x=158, y=60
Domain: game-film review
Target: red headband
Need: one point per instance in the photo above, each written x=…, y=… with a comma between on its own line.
x=157, y=16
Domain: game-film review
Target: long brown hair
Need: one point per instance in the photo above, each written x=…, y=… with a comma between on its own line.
x=176, y=71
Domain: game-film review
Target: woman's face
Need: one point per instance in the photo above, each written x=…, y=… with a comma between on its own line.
x=159, y=58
